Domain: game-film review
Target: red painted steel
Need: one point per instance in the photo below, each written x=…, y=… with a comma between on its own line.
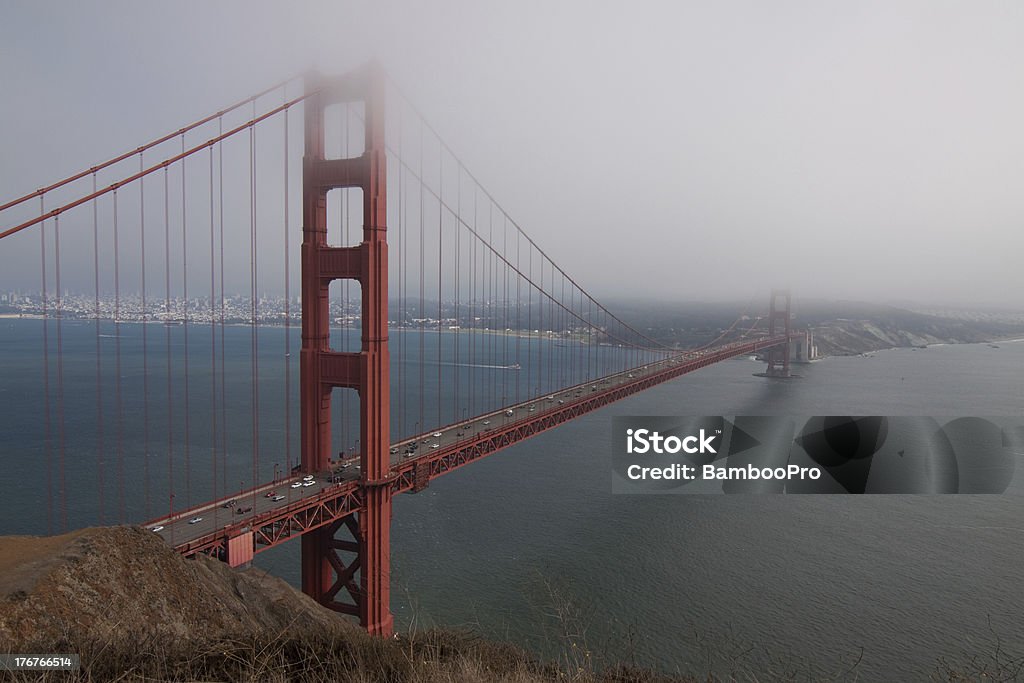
x=240, y=550
x=318, y=515
x=322, y=369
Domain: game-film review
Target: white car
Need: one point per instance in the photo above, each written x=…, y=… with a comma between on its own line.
x=297, y=485
x=158, y=527
x=487, y=422
x=277, y=498
x=308, y=483
x=436, y=435
x=195, y=520
x=308, y=477
x=436, y=445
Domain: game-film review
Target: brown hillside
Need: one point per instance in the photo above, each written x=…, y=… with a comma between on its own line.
x=107, y=582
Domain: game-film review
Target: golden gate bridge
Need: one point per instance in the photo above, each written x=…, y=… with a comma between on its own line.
x=451, y=292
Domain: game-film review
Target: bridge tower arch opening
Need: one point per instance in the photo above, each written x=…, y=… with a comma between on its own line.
x=329, y=563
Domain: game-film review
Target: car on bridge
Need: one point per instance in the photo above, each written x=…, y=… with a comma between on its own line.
x=158, y=527
x=195, y=520
x=436, y=435
x=277, y=498
x=297, y=485
x=271, y=494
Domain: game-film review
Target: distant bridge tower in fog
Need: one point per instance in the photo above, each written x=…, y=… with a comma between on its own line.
x=778, y=317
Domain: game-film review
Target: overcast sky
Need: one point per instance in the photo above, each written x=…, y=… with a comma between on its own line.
x=868, y=150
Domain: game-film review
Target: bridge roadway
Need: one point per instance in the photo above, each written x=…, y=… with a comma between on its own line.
x=414, y=461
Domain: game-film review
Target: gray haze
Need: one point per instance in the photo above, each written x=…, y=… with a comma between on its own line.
x=869, y=150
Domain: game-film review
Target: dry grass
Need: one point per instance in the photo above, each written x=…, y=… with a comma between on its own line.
x=436, y=656
x=433, y=657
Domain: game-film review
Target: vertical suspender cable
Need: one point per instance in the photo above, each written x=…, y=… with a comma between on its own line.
x=421, y=311
x=529, y=323
x=60, y=373
x=118, y=405
x=213, y=346
x=99, y=374
x=456, y=404
x=440, y=229
x=540, y=327
x=254, y=307
x=491, y=317
x=46, y=373
x=519, y=310
x=167, y=350
x=145, y=352
x=184, y=329
x=223, y=353
x=473, y=294
x=402, y=214
x=287, y=312
x=504, y=319
x=566, y=379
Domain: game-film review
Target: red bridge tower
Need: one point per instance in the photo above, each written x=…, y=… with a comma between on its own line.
x=330, y=564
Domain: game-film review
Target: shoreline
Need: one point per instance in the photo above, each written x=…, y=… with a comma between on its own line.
x=522, y=334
